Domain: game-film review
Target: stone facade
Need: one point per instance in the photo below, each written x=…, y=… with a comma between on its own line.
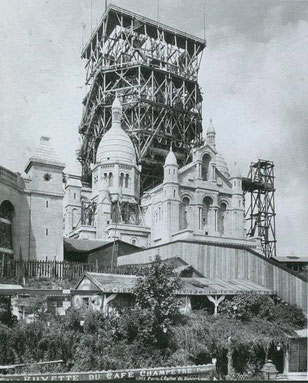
x=198, y=201
x=31, y=207
x=110, y=209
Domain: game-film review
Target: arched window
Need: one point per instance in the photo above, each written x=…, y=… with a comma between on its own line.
x=6, y=221
x=134, y=241
x=110, y=179
x=126, y=180
x=206, y=205
x=74, y=218
x=121, y=180
x=205, y=166
x=221, y=217
x=184, y=213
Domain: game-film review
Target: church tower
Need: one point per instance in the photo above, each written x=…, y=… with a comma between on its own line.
x=171, y=198
x=115, y=178
x=45, y=195
x=237, y=203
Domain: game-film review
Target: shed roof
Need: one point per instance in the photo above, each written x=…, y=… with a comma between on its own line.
x=189, y=286
x=83, y=245
x=291, y=259
x=4, y=286
x=88, y=245
x=177, y=263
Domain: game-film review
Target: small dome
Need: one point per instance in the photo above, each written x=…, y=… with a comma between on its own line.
x=211, y=129
x=115, y=144
x=171, y=158
x=222, y=166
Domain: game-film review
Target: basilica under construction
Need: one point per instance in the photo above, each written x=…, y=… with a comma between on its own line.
x=153, y=178
x=196, y=201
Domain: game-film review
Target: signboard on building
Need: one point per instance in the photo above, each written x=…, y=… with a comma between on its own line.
x=24, y=300
x=165, y=373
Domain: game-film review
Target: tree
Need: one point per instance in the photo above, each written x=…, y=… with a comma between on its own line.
x=156, y=302
x=156, y=308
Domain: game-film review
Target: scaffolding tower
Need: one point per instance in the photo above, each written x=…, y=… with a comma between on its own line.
x=153, y=68
x=260, y=212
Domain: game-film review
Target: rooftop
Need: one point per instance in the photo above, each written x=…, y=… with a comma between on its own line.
x=45, y=153
x=189, y=286
x=82, y=245
x=291, y=259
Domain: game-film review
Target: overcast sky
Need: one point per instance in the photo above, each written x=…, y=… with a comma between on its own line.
x=253, y=76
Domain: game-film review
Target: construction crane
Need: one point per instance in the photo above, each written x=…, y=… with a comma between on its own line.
x=259, y=196
x=153, y=68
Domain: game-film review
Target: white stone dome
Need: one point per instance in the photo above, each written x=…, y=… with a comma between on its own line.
x=171, y=158
x=115, y=144
x=222, y=166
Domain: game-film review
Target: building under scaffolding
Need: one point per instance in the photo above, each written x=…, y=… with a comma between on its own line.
x=154, y=70
x=260, y=204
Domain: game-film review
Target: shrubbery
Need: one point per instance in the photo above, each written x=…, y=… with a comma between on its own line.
x=153, y=333
x=248, y=306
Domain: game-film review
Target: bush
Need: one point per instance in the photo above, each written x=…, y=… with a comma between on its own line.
x=246, y=306
x=289, y=315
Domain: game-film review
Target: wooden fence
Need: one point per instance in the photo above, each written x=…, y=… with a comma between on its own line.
x=56, y=269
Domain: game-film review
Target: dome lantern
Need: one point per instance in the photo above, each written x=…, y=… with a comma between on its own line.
x=210, y=134
x=116, y=110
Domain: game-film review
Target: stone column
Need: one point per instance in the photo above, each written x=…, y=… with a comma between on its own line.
x=213, y=172
x=214, y=223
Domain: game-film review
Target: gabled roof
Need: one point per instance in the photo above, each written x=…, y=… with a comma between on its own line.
x=118, y=283
x=108, y=282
